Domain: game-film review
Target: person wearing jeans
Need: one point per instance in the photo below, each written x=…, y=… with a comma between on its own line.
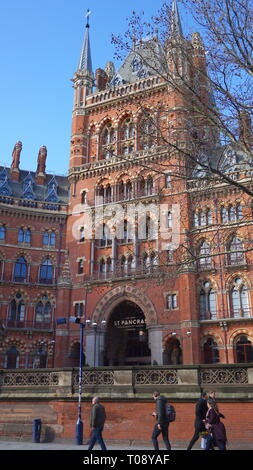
x=97, y=421
x=162, y=423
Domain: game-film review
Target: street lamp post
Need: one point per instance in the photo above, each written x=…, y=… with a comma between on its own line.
x=79, y=423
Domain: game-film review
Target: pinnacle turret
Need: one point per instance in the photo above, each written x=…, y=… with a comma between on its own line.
x=176, y=26
x=85, y=63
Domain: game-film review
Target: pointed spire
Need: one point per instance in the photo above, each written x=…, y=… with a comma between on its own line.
x=175, y=26
x=85, y=63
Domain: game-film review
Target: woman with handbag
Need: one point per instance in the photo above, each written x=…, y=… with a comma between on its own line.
x=217, y=432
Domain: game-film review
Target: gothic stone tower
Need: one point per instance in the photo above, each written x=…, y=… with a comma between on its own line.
x=123, y=277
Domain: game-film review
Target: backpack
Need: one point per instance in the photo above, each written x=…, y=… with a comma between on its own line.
x=171, y=413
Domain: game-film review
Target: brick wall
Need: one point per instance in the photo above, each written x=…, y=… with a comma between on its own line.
x=128, y=421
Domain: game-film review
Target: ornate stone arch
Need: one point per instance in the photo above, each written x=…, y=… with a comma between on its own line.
x=115, y=296
x=210, y=334
x=238, y=332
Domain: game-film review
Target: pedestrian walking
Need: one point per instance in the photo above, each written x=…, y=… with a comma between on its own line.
x=212, y=396
x=97, y=421
x=217, y=433
x=162, y=422
x=200, y=415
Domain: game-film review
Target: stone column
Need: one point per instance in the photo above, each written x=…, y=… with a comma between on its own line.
x=155, y=334
x=95, y=340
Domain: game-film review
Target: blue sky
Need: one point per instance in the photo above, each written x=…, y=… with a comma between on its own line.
x=40, y=47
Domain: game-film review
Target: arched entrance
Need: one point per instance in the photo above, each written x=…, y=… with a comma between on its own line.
x=126, y=339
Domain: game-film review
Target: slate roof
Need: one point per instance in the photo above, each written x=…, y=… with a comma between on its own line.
x=27, y=188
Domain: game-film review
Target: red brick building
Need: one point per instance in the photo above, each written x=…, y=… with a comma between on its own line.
x=155, y=258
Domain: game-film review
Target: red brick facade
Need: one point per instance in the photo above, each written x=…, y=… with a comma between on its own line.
x=191, y=301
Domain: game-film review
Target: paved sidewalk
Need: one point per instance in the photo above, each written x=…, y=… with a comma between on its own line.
x=22, y=445
x=71, y=445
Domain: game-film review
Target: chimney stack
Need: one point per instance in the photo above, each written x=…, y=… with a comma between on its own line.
x=15, y=161
x=41, y=166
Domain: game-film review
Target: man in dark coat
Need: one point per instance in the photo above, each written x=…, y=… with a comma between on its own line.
x=162, y=423
x=97, y=421
x=200, y=416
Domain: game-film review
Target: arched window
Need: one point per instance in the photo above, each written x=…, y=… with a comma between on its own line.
x=236, y=255
x=224, y=215
x=109, y=264
x=43, y=312
x=108, y=194
x=127, y=133
x=46, y=272
x=20, y=270
x=24, y=236
x=209, y=218
x=239, y=299
x=149, y=185
x=102, y=266
x=105, y=236
x=243, y=350
x=12, y=358
x=147, y=133
x=205, y=260
x=128, y=190
x=211, y=352
x=39, y=358
x=195, y=219
x=123, y=264
x=108, y=139
x=16, y=314
x=207, y=302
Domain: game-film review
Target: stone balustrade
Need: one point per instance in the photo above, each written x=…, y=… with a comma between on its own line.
x=232, y=382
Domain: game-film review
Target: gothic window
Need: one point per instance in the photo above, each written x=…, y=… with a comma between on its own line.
x=49, y=238
x=43, y=312
x=12, y=358
x=207, y=302
x=239, y=299
x=127, y=134
x=195, y=219
x=244, y=350
x=16, y=314
x=224, y=215
x=105, y=238
x=108, y=194
x=211, y=352
x=20, y=270
x=39, y=358
x=171, y=301
x=235, y=255
x=24, y=236
x=209, y=218
x=204, y=255
x=46, y=272
x=202, y=218
x=84, y=197
x=79, y=309
x=149, y=185
x=147, y=133
x=109, y=264
x=141, y=186
x=108, y=139
x=2, y=232
x=102, y=266
x=123, y=263
x=128, y=190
